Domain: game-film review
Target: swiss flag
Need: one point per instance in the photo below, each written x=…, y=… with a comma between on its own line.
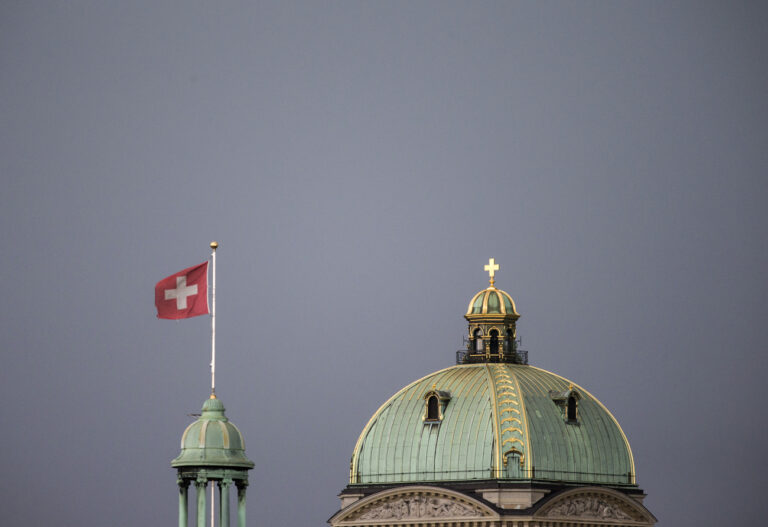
x=184, y=294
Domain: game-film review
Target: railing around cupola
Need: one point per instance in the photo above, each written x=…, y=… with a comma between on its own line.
x=472, y=357
x=508, y=351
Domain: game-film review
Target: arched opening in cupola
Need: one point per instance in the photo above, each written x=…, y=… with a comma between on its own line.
x=494, y=342
x=510, y=339
x=477, y=335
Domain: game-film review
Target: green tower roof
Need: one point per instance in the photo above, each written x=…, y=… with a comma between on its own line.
x=212, y=441
x=492, y=301
x=496, y=421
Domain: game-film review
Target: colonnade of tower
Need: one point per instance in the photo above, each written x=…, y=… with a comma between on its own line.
x=201, y=484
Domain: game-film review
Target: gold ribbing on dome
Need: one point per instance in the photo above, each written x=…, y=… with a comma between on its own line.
x=492, y=267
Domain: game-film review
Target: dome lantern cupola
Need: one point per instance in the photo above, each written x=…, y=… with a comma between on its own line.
x=212, y=451
x=492, y=328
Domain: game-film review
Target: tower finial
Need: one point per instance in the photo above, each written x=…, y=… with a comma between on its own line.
x=492, y=267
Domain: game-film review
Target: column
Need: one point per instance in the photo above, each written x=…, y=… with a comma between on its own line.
x=201, y=484
x=183, y=486
x=241, y=486
x=224, y=502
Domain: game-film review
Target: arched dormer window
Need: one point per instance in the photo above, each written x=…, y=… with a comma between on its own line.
x=494, y=342
x=433, y=409
x=435, y=402
x=571, y=408
x=568, y=402
x=477, y=335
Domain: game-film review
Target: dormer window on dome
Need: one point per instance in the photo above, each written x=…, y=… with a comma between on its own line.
x=435, y=402
x=492, y=328
x=568, y=402
x=433, y=409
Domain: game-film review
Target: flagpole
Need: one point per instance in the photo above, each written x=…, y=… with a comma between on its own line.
x=213, y=503
x=214, y=246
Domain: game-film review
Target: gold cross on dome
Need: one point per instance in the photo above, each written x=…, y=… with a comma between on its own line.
x=492, y=267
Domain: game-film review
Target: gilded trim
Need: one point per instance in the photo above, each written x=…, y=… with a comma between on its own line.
x=529, y=452
x=496, y=461
x=492, y=317
x=503, y=312
x=472, y=303
x=512, y=429
x=510, y=397
x=503, y=306
x=513, y=450
x=512, y=440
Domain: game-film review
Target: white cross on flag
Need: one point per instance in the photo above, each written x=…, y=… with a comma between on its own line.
x=184, y=294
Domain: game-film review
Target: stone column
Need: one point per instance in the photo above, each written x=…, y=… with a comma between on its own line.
x=224, y=502
x=241, y=486
x=183, y=486
x=201, y=485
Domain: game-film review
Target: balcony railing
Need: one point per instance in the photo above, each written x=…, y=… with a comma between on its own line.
x=512, y=472
x=471, y=357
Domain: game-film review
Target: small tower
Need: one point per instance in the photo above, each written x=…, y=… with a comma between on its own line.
x=492, y=325
x=212, y=449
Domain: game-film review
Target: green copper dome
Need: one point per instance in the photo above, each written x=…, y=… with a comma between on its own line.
x=212, y=441
x=492, y=301
x=495, y=421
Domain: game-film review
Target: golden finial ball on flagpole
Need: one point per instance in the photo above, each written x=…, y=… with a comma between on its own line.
x=214, y=245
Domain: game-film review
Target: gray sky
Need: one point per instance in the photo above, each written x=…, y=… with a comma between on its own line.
x=359, y=162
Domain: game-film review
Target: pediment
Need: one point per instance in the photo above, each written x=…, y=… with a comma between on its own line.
x=412, y=504
x=596, y=504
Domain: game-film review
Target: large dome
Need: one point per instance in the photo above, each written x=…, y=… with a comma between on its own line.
x=495, y=421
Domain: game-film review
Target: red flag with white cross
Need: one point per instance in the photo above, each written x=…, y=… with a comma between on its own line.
x=184, y=294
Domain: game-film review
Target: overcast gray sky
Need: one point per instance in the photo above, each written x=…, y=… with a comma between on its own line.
x=359, y=162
